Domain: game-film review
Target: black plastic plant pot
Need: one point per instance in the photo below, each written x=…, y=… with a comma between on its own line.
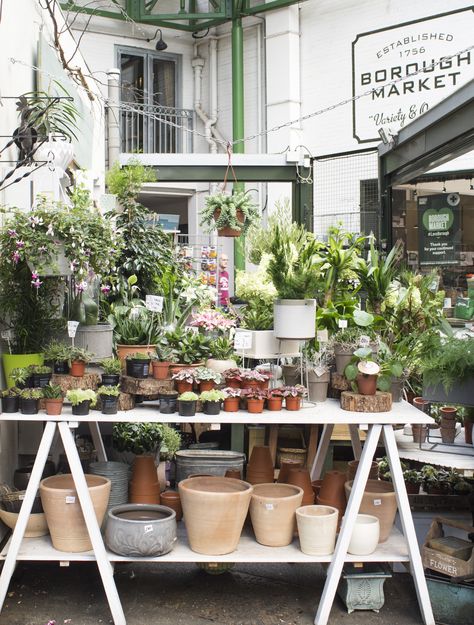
x=29, y=406
x=61, y=367
x=40, y=380
x=186, y=408
x=110, y=379
x=109, y=404
x=82, y=408
x=28, y=383
x=211, y=407
x=138, y=368
x=10, y=404
x=168, y=403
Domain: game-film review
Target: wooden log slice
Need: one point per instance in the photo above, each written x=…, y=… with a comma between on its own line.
x=147, y=387
x=380, y=402
x=68, y=382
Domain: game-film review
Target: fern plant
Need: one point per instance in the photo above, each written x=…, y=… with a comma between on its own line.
x=222, y=211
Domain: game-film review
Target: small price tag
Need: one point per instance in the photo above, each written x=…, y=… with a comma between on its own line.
x=70, y=499
x=447, y=302
x=242, y=340
x=363, y=426
x=21, y=497
x=7, y=335
x=319, y=370
x=342, y=323
x=147, y=529
x=377, y=502
x=322, y=336
x=364, y=341
x=268, y=506
x=72, y=328
x=154, y=303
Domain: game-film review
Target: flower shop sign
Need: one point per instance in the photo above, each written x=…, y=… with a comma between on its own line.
x=439, y=229
x=390, y=54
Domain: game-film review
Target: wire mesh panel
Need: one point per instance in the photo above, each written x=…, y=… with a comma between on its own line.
x=346, y=193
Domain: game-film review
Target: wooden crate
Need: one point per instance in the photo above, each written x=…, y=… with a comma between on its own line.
x=441, y=562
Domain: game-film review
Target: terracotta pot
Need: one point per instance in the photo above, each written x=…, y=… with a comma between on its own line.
x=292, y=403
x=255, y=406
x=214, y=510
x=144, y=485
x=316, y=486
x=227, y=231
x=422, y=404
x=231, y=404
x=412, y=489
x=328, y=502
x=64, y=513
x=332, y=487
x=354, y=464
x=264, y=385
x=172, y=499
x=379, y=500
x=176, y=367
x=54, y=406
x=183, y=387
x=250, y=384
x=274, y=403
x=365, y=535
x=367, y=384
x=419, y=432
x=468, y=430
x=317, y=527
x=449, y=413
x=206, y=385
x=124, y=350
x=285, y=467
x=232, y=383
x=160, y=370
x=448, y=434
x=301, y=478
x=272, y=511
x=234, y=474
x=261, y=458
x=77, y=369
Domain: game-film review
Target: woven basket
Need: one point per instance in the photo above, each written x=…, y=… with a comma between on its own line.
x=291, y=453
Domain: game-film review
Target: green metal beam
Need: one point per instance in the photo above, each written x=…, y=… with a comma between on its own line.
x=214, y=173
x=269, y=6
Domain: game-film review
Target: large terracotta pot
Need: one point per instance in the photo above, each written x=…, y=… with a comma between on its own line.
x=379, y=500
x=260, y=467
x=285, y=467
x=301, y=478
x=124, y=350
x=214, y=510
x=144, y=485
x=353, y=465
x=64, y=513
x=272, y=511
x=317, y=527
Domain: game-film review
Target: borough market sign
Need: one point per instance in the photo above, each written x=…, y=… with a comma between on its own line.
x=385, y=55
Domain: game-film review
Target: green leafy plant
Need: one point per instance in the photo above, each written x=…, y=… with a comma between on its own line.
x=52, y=391
x=203, y=374
x=188, y=396
x=222, y=348
x=138, y=356
x=79, y=354
x=145, y=438
x=56, y=351
x=257, y=315
x=111, y=366
x=78, y=395
x=360, y=358
x=214, y=395
x=109, y=391
x=412, y=477
x=185, y=375
x=39, y=369
x=294, y=391
x=135, y=326
x=236, y=211
x=188, y=347
x=31, y=393
x=20, y=375
x=255, y=286
x=447, y=361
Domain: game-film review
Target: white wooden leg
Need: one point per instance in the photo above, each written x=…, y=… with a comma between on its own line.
x=97, y=440
x=323, y=447
x=407, y=525
x=105, y=569
x=355, y=440
x=31, y=490
x=353, y=505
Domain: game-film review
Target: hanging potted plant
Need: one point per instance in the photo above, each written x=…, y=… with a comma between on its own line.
x=138, y=365
x=78, y=358
x=11, y=399
x=29, y=400
x=275, y=399
x=112, y=369
x=294, y=396
x=53, y=399
x=231, y=215
x=40, y=375
x=187, y=404
x=232, y=399
x=184, y=380
x=81, y=400
x=109, y=398
x=207, y=379
x=211, y=401
x=56, y=355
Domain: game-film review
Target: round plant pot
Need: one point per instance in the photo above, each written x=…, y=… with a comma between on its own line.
x=365, y=535
x=294, y=319
x=285, y=467
x=274, y=403
x=138, y=368
x=206, y=385
x=10, y=404
x=367, y=384
x=260, y=465
x=419, y=432
x=227, y=231
x=219, y=366
x=144, y=485
x=378, y=500
x=63, y=511
x=422, y=404
x=343, y=357
x=214, y=510
x=54, y=406
x=186, y=408
x=160, y=369
x=61, y=367
x=448, y=434
x=17, y=361
x=29, y=406
x=82, y=408
x=317, y=527
x=77, y=369
x=249, y=384
x=448, y=413
x=183, y=387
x=109, y=404
x=211, y=407
x=353, y=465
x=172, y=499
x=124, y=350
x=412, y=489
x=318, y=386
x=110, y=379
x=232, y=383
x=97, y=337
x=40, y=380
x=35, y=527
x=176, y=368
x=272, y=511
x=291, y=374
x=168, y=403
x=292, y=403
x=231, y=404
x=255, y=406
x=140, y=530
x=396, y=389
x=300, y=477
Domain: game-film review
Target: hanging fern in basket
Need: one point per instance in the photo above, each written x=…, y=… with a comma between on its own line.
x=236, y=212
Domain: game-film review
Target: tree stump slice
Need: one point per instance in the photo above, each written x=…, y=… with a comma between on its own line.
x=380, y=402
x=147, y=387
x=68, y=382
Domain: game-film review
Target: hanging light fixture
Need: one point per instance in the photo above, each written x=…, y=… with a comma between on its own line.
x=160, y=44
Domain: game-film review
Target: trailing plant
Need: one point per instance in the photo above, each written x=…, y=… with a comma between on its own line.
x=52, y=391
x=78, y=395
x=222, y=211
x=31, y=393
x=447, y=361
x=109, y=391
x=213, y=395
x=222, y=348
x=111, y=366
x=188, y=396
x=204, y=374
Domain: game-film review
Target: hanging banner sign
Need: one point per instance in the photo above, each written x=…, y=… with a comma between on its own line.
x=439, y=232
x=389, y=54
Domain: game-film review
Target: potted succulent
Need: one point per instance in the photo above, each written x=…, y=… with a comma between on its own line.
x=112, y=369
x=29, y=400
x=11, y=399
x=184, y=380
x=161, y=362
x=138, y=365
x=231, y=215
x=56, y=354
x=232, y=399
x=207, y=379
x=81, y=400
x=109, y=397
x=40, y=375
x=255, y=398
x=53, y=399
x=275, y=399
x=77, y=359
x=211, y=401
x=232, y=377
x=135, y=330
x=251, y=379
x=21, y=377
x=413, y=481
x=168, y=400
x=190, y=349
x=293, y=396
x=363, y=372
x=187, y=404
x=222, y=355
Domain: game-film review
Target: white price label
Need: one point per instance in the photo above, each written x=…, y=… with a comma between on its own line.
x=322, y=336
x=377, y=502
x=363, y=426
x=72, y=328
x=147, y=529
x=70, y=499
x=21, y=497
x=242, y=340
x=342, y=323
x=364, y=341
x=7, y=335
x=154, y=303
x=319, y=370
x=268, y=506
x=447, y=302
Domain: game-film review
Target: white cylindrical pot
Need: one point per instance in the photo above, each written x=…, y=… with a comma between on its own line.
x=317, y=526
x=60, y=152
x=365, y=535
x=294, y=319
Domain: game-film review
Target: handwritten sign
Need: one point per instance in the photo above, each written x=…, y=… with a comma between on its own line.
x=242, y=340
x=342, y=323
x=154, y=303
x=72, y=328
x=322, y=336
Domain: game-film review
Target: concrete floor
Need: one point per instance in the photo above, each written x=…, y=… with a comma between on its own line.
x=181, y=594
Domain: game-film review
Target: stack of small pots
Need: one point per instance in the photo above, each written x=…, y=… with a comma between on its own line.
x=300, y=477
x=144, y=485
x=448, y=424
x=260, y=466
x=332, y=492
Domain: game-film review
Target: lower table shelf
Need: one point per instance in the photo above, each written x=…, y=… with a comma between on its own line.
x=248, y=550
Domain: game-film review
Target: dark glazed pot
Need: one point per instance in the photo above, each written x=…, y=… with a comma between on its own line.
x=109, y=404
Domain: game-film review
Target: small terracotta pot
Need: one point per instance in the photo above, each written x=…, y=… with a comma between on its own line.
x=206, y=385
x=367, y=384
x=183, y=387
x=78, y=368
x=332, y=486
x=292, y=403
x=250, y=384
x=172, y=499
x=160, y=370
x=232, y=383
x=231, y=404
x=448, y=412
x=422, y=404
x=54, y=406
x=233, y=473
x=144, y=485
x=353, y=465
x=285, y=468
x=419, y=432
x=301, y=478
x=274, y=403
x=255, y=406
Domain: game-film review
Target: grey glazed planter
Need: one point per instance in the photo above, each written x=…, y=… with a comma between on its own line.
x=460, y=393
x=140, y=530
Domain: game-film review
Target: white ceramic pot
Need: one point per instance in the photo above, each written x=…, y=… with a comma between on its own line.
x=61, y=153
x=219, y=366
x=266, y=345
x=317, y=526
x=294, y=319
x=365, y=535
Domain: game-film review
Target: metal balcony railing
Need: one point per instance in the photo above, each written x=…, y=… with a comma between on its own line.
x=150, y=129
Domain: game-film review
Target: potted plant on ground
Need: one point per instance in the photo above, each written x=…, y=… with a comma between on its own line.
x=56, y=354
x=29, y=400
x=109, y=398
x=294, y=396
x=211, y=401
x=275, y=399
x=161, y=362
x=168, y=401
x=413, y=481
x=232, y=377
x=11, y=399
x=232, y=399
x=363, y=372
x=40, y=375
x=78, y=358
x=230, y=215
x=184, y=380
x=53, y=399
x=138, y=365
x=255, y=399
x=207, y=379
x=81, y=400
x=112, y=369
x=187, y=404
